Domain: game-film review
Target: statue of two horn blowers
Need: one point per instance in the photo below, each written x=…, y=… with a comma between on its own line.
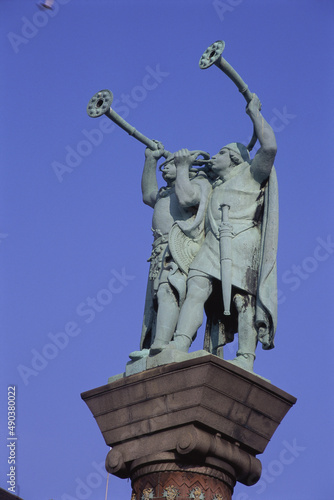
x=215, y=237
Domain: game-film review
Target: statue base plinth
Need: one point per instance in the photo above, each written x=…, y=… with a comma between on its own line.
x=165, y=357
x=193, y=424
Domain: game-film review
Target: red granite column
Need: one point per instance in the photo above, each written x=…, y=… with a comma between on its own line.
x=195, y=482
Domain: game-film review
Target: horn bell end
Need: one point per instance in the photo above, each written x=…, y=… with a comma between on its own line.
x=100, y=103
x=212, y=54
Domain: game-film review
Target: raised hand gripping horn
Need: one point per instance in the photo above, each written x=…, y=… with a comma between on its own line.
x=213, y=55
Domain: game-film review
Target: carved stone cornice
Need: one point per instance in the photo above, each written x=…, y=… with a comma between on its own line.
x=203, y=415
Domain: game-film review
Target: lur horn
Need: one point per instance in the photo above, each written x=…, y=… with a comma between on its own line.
x=100, y=104
x=213, y=55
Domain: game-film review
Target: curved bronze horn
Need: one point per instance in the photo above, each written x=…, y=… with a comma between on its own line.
x=213, y=55
x=100, y=104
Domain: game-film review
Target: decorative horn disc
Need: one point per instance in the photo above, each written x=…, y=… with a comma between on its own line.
x=211, y=54
x=100, y=103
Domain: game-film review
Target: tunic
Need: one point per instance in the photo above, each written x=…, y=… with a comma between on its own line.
x=245, y=198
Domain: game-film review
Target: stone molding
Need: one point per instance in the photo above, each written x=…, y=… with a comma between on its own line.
x=200, y=413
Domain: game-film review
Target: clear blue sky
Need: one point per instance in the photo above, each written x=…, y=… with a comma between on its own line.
x=72, y=215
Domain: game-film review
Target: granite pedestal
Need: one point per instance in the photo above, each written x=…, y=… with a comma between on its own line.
x=188, y=429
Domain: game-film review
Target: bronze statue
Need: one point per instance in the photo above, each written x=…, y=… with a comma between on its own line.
x=215, y=237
